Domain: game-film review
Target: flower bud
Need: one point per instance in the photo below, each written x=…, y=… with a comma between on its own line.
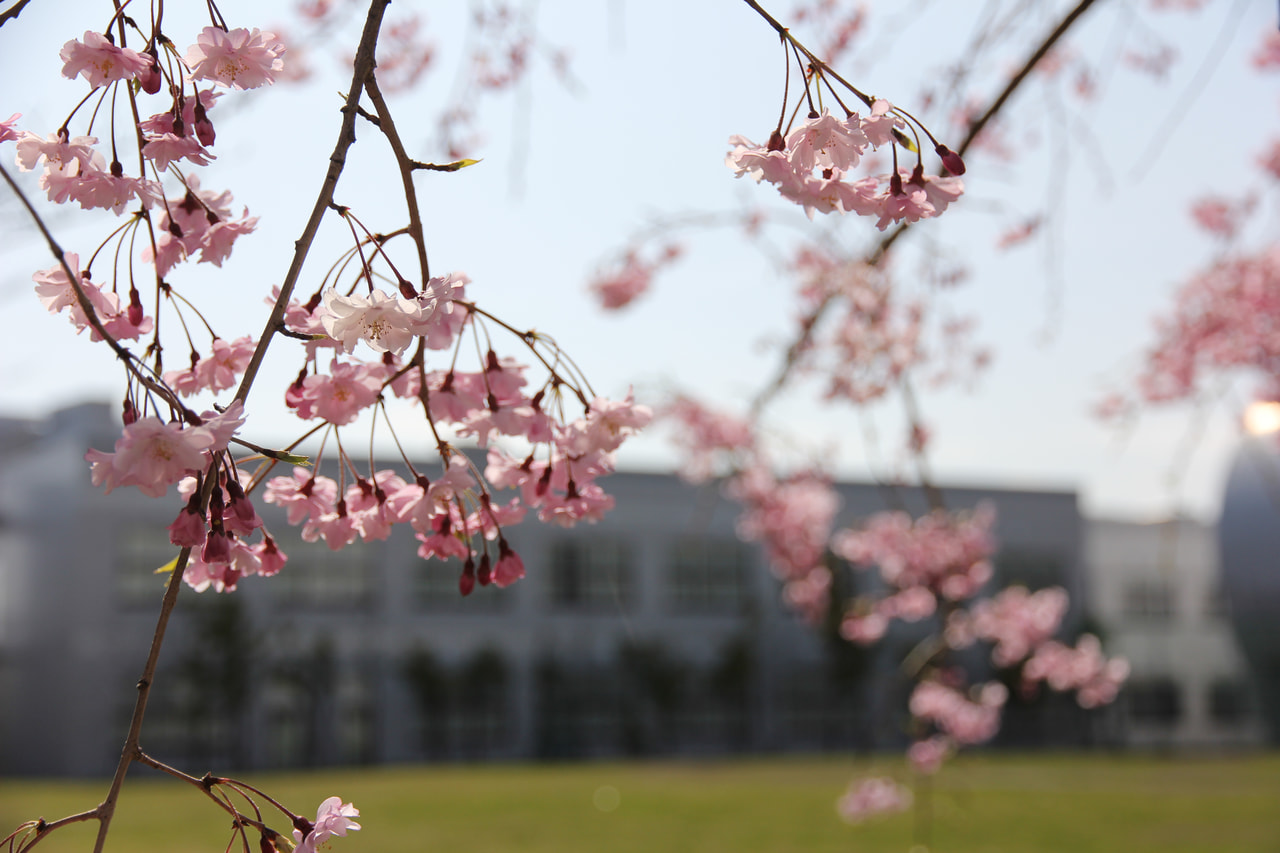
x=152, y=79
x=204, y=132
x=135, y=307
x=467, y=582
x=951, y=160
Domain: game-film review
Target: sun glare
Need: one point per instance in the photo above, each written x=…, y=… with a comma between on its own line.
x=1262, y=418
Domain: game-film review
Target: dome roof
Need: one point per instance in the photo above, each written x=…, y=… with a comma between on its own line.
x=1249, y=529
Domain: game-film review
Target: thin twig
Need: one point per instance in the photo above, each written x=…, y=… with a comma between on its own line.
x=9, y=14
x=129, y=752
x=406, y=166
x=810, y=322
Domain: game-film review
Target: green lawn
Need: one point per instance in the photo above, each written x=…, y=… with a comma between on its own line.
x=988, y=803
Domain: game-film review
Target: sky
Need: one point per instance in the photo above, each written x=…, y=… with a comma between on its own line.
x=569, y=173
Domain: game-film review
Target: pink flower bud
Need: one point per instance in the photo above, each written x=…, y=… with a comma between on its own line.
x=510, y=567
x=951, y=160
x=151, y=79
x=135, y=307
x=467, y=581
x=217, y=548
x=188, y=529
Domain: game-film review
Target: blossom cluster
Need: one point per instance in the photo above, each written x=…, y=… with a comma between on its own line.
x=1082, y=668
x=620, y=287
x=356, y=345
x=1016, y=621
x=790, y=516
x=965, y=719
x=811, y=167
x=945, y=554
x=873, y=797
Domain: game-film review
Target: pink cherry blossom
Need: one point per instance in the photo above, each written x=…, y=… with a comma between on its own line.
x=332, y=818
x=238, y=58
x=7, y=129
x=621, y=287
x=864, y=628
x=99, y=61
x=305, y=496
x=1268, y=55
x=872, y=798
x=510, y=568
x=56, y=294
x=880, y=124
x=826, y=142
x=926, y=756
x=339, y=396
x=168, y=148
x=945, y=553
x=966, y=720
x=1083, y=668
x=1270, y=160
x=386, y=323
x=55, y=152
x=151, y=455
x=1016, y=620
x=205, y=224
x=608, y=423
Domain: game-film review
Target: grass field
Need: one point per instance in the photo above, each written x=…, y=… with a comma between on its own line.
x=988, y=803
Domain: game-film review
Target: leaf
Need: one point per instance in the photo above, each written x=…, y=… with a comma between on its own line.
x=167, y=568
x=446, y=167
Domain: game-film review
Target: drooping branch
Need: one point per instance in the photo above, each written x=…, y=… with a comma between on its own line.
x=876, y=256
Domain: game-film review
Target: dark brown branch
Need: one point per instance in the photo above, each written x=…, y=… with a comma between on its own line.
x=13, y=12
x=406, y=166
x=129, y=752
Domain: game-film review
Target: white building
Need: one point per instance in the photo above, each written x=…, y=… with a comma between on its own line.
x=1156, y=591
x=654, y=630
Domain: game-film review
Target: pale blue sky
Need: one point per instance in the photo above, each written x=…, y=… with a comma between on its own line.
x=646, y=137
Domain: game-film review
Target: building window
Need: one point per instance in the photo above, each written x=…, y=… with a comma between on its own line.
x=1229, y=702
x=1155, y=702
x=435, y=587
x=1033, y=569
x=139, y=553
x=1216, y=605
x=1148, y=599
x=707, y=575
x=591, y=573
x=316, y=576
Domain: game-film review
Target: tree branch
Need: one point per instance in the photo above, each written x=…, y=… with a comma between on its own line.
x=877, y=255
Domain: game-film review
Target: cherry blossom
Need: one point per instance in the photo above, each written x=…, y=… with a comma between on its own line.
x=945, y=553
x=385, y=323
x=151, y=455
x=332, y=818
x=239, y=58
x=1082, y=668
x=964, y=719
x=621, y=287
x=99, y=61
x=1017, y=621
x=7, y=129
x=56, y=294
x=871, y=798
x=825, y=142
